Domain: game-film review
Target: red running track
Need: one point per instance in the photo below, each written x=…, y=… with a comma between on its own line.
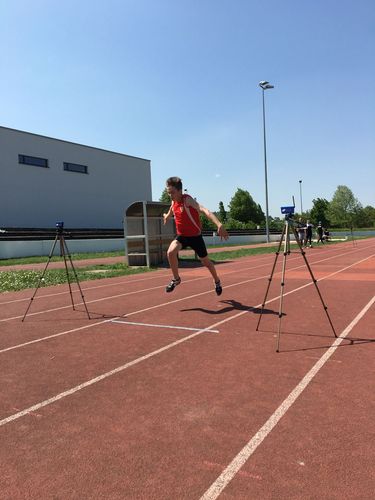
x=115, y=408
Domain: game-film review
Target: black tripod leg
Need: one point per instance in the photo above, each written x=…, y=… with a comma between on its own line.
x=63, y=255
x=270, y=278
x=286, y=252
x=316, y=286
x=41, y=278
x=76, y=277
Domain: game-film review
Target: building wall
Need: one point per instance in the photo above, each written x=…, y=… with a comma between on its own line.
x=32, y=196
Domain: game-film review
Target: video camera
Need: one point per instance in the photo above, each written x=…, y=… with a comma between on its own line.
x=59, y=227
x=288, y=211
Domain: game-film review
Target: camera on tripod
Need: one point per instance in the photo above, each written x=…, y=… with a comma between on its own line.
x=288, y=211
x=59, y=226
x=64, y=253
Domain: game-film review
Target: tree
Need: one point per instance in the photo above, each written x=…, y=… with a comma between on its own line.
x=206, y=224
x=319, y=212
x=369, y=216
x=261, y=215
x=276, y=223
x=165, y=198
x=365, y=217
x=222, y=213
x=243, y=208
x=343, y=208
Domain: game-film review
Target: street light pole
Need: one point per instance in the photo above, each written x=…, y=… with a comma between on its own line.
x=265, y=86
x=300, y=193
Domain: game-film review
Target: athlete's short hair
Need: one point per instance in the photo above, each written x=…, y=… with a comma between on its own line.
x=175, y=182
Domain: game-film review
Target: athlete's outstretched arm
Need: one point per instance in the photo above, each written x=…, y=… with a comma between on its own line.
x=167, y=216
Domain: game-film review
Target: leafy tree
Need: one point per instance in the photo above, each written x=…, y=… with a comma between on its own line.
x=368, y=216
x=165, y=198
x=275, y=223
x=261, y=215
x=222, y=216
x=236, y=224
x=364, y=217
x=207, y=225
x=343, y=208
x=319, y=212
x=243, y=208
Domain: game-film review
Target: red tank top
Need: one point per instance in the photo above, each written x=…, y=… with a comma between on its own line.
x=186, y=218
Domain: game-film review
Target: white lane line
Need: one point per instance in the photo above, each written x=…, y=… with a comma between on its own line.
x=162, y=326
x=138, y=360
x=241, y=270
x=93, y=301
x=127, y=293
x=42, y=339
x=241, y=458
x=151, y=276
x=79, y=387
x=85, y=327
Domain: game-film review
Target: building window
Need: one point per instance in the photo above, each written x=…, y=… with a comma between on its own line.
x=74, y=167
x=33, y=160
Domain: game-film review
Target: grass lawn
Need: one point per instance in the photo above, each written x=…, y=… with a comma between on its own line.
x=19, y=280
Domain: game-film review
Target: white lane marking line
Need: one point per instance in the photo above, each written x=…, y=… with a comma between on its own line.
x=110, y=373
x=42, y=339
x=127, y=293
x=241, y=458
x=64, y=394
x=148, y=278
x=163, y=326
x=92, y=301
x=186, y=281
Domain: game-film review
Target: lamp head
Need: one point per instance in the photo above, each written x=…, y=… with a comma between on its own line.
x=265, y=85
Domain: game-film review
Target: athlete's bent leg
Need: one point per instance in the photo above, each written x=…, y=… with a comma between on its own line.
x=211, y=267
x=172, y=255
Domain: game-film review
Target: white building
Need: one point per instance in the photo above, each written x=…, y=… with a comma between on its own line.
x=44, y=180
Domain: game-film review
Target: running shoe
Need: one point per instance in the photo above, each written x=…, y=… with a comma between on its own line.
x=172, y=285
x=218, y=288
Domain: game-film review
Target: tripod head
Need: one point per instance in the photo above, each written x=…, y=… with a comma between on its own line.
x=288, y=211
x=59, y=227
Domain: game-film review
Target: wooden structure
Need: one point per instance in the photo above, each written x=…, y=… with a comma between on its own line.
x=146, y=237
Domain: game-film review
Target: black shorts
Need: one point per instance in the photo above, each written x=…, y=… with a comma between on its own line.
x=195, y=242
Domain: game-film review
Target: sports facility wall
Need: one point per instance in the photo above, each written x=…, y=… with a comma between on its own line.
x=44, y=180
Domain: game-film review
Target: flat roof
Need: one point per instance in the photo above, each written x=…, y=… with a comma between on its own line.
x=70, y=142
x=153, y=208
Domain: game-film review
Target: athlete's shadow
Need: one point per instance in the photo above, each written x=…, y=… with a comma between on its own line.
x=233, y=305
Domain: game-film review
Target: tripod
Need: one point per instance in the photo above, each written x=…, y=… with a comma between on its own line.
x=285, y=238
x=352, y=235
x=64, y=252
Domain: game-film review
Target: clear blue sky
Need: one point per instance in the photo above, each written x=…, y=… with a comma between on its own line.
x=176, y=81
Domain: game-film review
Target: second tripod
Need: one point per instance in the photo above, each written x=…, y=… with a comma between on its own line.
x=285, y=239
x=64, y=253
